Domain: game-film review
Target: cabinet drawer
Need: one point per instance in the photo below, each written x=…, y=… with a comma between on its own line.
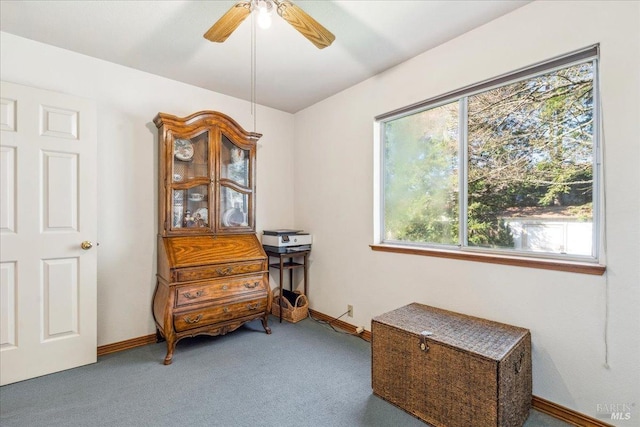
x=219, y=313
x=220, y=270
x=220, y=288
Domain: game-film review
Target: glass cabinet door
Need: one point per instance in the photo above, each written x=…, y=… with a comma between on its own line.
x=235, y=186
x=206, y=166
x=234, y=163
x=235, y=208
x=190, y=183
x=190, y=208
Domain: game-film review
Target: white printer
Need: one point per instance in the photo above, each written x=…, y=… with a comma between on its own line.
x=284, y=240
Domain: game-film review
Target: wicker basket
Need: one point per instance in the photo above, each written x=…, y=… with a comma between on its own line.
x=290, y=312
x=452, y=370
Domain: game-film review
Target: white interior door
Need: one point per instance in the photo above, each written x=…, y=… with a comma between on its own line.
x=48, y=206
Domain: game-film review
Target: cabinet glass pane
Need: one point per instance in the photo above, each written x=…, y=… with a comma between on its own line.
x=233, y=208
x=191, y=157
x=234, y=162
x=190, y=207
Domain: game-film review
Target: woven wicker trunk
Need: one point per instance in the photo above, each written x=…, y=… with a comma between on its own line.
x=452, y=370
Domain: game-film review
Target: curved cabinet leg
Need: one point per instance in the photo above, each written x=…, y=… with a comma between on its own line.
x=171, y=345
x=266, y=327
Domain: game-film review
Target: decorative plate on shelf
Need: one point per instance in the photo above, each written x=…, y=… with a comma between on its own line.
x=232, y=217
x=183, y=149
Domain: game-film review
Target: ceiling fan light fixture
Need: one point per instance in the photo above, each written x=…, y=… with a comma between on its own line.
x=264, y=14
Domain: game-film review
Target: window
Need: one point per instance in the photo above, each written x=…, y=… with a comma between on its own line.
x=507, y=166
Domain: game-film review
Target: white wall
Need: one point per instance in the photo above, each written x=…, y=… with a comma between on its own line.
x=128, y=100
x=564, y=311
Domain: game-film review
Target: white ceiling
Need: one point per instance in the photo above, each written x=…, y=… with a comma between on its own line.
x=165, y=38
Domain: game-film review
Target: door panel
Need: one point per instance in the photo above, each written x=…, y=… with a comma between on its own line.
x=7, y=190
x=48, y=208
x=7, y=114
x=58, y=122
x=60, y=298
x=8, y=321
x=60, y=195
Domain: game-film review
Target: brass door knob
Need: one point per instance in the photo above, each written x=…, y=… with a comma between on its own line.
x=86, y=245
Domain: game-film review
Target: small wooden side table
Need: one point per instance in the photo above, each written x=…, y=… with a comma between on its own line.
x=290, y=265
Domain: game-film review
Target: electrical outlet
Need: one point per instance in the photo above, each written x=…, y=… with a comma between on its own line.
x=359, y=330
x=350, y=310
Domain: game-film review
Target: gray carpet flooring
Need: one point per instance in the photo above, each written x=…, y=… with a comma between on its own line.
x=304, y=374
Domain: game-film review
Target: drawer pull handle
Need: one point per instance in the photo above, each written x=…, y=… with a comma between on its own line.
x=423, y=340
x=194, y=320
x=225, y=287
x=251, y=285
x=198, y=294
x=252, y=306
x=226, y=309
x=224, y=271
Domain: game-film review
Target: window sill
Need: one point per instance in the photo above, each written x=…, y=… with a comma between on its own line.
x=544, y=264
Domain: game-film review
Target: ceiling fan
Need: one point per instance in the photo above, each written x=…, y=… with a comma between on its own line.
x=299, y=19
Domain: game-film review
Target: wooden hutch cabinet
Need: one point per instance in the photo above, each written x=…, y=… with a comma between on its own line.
x=212, y=270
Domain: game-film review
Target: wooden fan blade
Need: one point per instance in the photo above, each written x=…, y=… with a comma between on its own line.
x=306, y=25
x=228, y=22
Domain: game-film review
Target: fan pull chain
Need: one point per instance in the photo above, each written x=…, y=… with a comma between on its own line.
x=253, y=69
